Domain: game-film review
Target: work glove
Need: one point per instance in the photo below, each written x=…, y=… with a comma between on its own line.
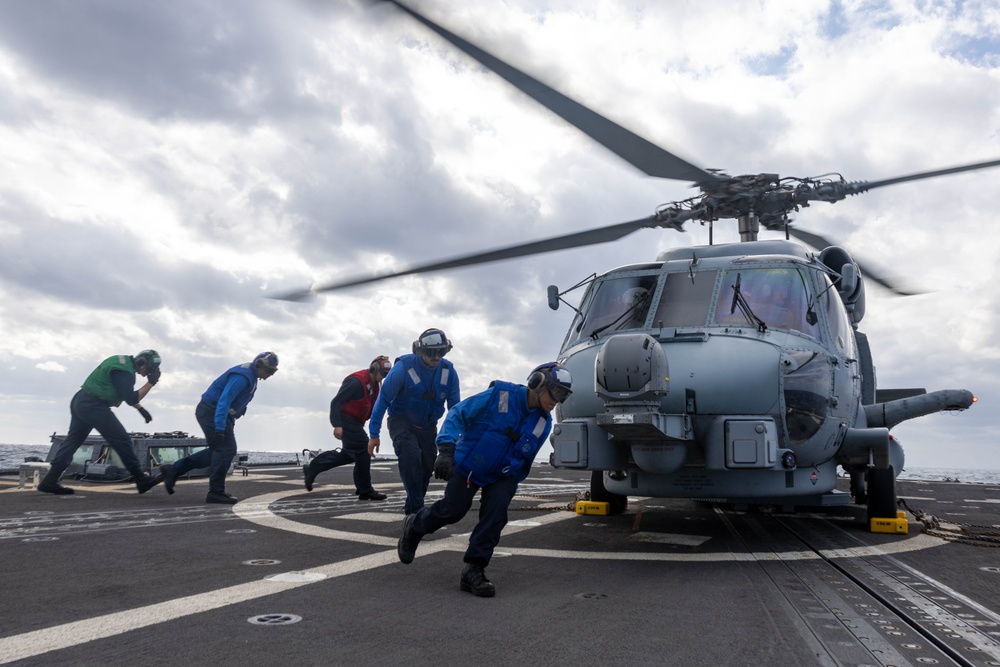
x=216, y=438
x=153, y=376
x=145, y=414
x=444, y=464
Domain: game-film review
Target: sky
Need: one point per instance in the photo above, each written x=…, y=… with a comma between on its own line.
x=166, y=166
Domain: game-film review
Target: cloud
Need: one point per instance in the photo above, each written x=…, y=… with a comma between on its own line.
x=166, y=165
x=51, y=367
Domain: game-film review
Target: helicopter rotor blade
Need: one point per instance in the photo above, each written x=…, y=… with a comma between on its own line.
x=640, y=153
x=821, y=243
x=929, y=174
x=575, y=240
x=810, y=238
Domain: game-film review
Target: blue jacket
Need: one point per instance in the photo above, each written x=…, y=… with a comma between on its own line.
x=231, y=392
x=416, y=392
x=495, y=433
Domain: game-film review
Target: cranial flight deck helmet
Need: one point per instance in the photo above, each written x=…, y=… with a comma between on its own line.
x=553, y=377
x=266, y=361
x=147, y=359
x=380, y=365
x=432, y=341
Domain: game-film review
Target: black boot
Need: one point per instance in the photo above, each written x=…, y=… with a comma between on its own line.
x=50, y=484
x=144, y=482
x=372, y=495
x=169, y=475
x=45, y=486
x=406, y=548
x=309, y=475
x=221, y=498
x=474, y=581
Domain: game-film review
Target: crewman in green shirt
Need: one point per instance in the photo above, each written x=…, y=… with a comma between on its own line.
x=106, y=387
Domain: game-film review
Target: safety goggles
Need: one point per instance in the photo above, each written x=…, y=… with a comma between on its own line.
x=560, y=383
x=560, y=394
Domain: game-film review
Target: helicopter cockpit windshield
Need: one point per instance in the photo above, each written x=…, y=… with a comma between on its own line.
x=615, y=304
x=777, y=296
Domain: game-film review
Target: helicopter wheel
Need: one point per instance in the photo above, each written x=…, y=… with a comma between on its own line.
x=858, y=492
x=881, y=493
x=599, y=494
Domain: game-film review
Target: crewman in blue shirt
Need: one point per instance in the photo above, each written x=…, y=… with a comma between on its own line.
x=414, y=393
x=487, y=442
x=224, y=402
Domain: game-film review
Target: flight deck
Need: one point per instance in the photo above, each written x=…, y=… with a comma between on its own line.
x=106, y=576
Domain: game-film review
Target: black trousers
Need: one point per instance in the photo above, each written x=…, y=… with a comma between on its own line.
x=88, y=413
x=354, y=450
x=455, y=504
x=415, y=454
x=218, y=456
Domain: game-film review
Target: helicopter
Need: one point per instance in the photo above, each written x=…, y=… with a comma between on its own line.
x=730, y=372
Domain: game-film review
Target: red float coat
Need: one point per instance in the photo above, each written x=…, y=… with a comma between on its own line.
x=361, y=408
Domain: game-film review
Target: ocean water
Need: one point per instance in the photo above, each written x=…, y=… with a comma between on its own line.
x=11, y=457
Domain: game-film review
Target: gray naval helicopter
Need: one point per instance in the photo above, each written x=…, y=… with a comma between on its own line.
x=732, y=372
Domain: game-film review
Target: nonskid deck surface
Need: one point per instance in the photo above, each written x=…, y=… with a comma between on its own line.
x=106, y=576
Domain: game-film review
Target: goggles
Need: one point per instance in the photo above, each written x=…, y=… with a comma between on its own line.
x=560, y=383
x=558, y=392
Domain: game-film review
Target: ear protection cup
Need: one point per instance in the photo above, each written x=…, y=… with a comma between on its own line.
x=535, y=380
x=380, y=364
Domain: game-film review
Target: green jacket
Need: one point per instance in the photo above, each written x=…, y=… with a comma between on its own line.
x=99, y=384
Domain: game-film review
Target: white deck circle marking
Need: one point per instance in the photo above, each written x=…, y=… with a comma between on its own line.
x=257, y=510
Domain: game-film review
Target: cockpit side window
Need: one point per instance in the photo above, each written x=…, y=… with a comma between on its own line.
x=840, y=325
x=615, y=304
x=686, y=299
x=777, y=296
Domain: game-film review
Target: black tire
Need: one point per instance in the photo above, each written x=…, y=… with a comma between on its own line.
x=881, y=493
x=599, y=494
x=858, y=492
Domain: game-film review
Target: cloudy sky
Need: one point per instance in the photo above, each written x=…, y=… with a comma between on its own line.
x=164, y=166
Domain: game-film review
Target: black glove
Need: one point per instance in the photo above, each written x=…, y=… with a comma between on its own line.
x=444, y=464
x=216, y=438
x=145, y=414
x=153, y=376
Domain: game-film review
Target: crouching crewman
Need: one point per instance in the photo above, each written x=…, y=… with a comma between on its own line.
x=488, y=442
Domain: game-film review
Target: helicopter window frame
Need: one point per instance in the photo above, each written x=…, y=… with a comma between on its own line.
x=578, y=333
x=838, y=320
x=659, y=320
x=764, y=306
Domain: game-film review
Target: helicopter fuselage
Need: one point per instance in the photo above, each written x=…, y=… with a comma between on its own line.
x=723, y=372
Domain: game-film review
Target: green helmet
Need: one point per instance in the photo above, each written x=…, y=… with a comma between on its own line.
x=147, y=359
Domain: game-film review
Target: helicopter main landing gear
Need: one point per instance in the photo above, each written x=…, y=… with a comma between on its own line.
x=881, y=493
x=617, y=503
